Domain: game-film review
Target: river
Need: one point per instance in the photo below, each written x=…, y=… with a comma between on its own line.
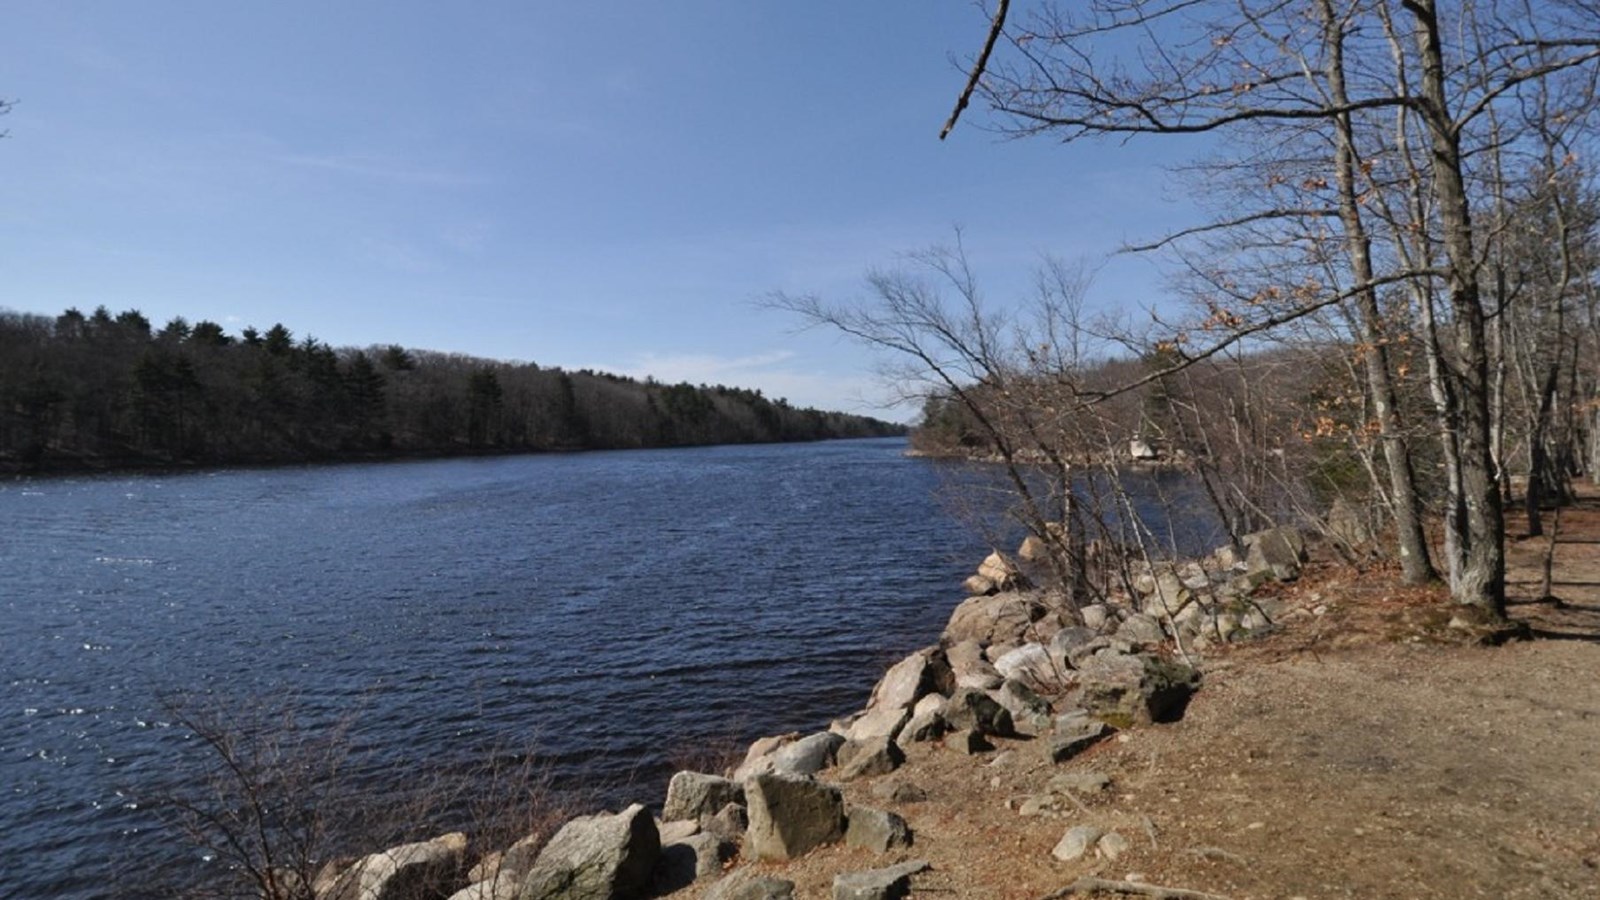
x=599, y=610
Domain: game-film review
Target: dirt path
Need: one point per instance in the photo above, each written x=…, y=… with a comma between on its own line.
x=1357, y=754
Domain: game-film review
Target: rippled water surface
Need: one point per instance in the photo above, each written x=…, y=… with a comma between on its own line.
x=601, y=607
x=603, y=610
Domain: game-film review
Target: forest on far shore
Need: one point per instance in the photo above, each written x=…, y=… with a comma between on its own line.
x=101, y=390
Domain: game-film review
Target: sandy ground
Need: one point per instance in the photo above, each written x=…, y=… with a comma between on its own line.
x=1361, y=752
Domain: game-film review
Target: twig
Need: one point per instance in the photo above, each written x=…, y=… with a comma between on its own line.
x=995, y=27
x=1067, y=792
x=1089, y=885
x=1150, y=832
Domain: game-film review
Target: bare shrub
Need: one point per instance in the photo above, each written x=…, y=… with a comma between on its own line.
x=281, y=806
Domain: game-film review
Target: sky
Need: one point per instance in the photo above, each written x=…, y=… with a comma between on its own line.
x=610, y=185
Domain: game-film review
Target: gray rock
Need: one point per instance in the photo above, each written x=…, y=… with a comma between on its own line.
x=1142, y=631
x=1032, y=665
x=511, y=863
x=1111, y=845
x=868, y=759
x=1277, y=552
x=809, y=755
x=790, y=815
x=970, y=668
x=1067, y=640
x=693, y=795
x=891, y=883
x=979, y=586
x=1040, y=805
x=924, y=672
x=496, y=888
x=876, y=830
x=1003, y=572
x=925, y=726
x=599, y=857
x=1125, y=690
x=1030, y=713
x=1069, y=741
x=749, y=886
x=879, y=722
x=968, y=742
x=1077, y=653
x=1095, y=617
x=899, y=792
x=729, y=823
x=684, y=862
x=1227, y=557
x=1001, y=618
x=969, y=710
x=1076, y=842
x=676, y=830
x=759, y=757
x=407, y=872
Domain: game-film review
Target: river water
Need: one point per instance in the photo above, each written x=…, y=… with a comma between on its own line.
x=599, y=609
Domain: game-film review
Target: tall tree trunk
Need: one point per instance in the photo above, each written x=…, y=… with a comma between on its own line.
x=1416, y=565
x=1480, y=582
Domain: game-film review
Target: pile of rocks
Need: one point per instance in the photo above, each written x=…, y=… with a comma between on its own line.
x=1010, y=664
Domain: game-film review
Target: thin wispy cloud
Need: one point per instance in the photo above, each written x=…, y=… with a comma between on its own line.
x=378, y=168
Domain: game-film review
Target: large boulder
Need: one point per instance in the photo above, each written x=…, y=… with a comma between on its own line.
x=924, y=672
x=426, y=869
x=729, y=823
x=878, y=756
x=969, y=667
x=1000, y=618
x=976, y=711
x=758, y=757
x=693, y=796
x=1277, y=552
x=1033, y=665
x=1074, y=734
x=878, y=722
x=1030, y=713
x=1141, y=632
x=790, y=815
x=1124, y=689
x=926, y=724
x=806, y=756
x=876, y=830
x=1067, y=640
x=599, y=857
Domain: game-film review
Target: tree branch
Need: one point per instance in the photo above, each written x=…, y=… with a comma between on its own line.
x=995, y=28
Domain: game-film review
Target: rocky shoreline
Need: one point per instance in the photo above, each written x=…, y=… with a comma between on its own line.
x=1012, y=670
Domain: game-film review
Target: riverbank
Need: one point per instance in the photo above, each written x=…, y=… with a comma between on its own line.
x=65, y=467
x=1361, y=745
x=1362, y=749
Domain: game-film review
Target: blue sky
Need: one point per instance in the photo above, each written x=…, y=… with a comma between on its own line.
x=607, y=185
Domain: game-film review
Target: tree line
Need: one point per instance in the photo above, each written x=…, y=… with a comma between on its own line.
x=103, y=389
